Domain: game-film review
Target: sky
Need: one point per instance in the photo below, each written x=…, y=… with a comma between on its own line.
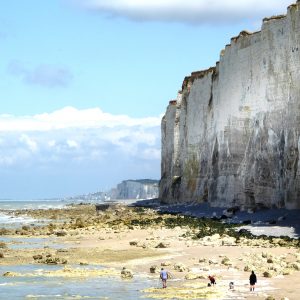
x=85, y=83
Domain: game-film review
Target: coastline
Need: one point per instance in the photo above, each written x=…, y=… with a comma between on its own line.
x=77, y=238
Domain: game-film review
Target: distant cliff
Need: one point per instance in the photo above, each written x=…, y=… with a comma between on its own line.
x=135, y=189
x=232, y=136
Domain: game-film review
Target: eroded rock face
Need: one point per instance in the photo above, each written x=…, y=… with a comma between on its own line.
x=232, y=136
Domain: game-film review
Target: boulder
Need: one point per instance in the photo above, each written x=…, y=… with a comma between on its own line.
x=213, y=261
x=10, y=274
x=162, y=245
x=37, y=257
x=3, y=245
x=228, y=241
x=268, y=274
x=133, y=243
x=61, y=233
x=226, y=261
x=180, y=267
x=126, y=273
x=192, y=276
x=154, y=269
x=295, y=266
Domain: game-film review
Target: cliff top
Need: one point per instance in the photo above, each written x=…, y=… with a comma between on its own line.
x=142, y=181
x=188, y=80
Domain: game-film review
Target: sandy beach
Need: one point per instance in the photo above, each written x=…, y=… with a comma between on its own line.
x=141, y=240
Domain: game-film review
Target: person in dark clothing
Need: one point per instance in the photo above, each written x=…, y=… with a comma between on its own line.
x=252, y=280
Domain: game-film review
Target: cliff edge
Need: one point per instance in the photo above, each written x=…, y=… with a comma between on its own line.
x=232, y=136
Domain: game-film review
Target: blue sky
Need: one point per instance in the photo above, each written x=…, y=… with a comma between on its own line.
x=84, y=84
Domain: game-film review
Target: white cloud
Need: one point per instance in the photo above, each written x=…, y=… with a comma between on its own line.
x=70, y=117
x=72, y=144
x=30, y=143
x=188, y=11
x=71, y=135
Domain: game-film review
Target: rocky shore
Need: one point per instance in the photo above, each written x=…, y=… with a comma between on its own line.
x=136, y=242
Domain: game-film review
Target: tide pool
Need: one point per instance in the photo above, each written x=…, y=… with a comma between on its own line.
x=44, y=287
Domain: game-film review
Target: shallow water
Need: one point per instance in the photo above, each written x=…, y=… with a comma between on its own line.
x=32, y=242
x=42, y=287
x=48, y=288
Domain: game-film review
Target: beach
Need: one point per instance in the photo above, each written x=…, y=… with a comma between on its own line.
x=126, y=246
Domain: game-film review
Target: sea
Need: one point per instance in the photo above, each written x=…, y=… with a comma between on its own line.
x=47, y=288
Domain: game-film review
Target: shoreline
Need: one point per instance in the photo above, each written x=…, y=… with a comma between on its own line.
x=140, y=238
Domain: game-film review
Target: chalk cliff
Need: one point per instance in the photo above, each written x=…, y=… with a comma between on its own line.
x=135, y=189
x=232, y=136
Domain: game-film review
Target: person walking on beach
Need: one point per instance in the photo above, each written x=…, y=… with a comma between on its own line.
x=252, y=280
x=164, y=276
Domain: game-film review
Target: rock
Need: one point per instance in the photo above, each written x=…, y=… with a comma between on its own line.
x=3, y=245
x=228, y=213
x=270, y=298
x=53, y=261
x=246, y=222
x=287, y=272
x=228, y=241
x=180, y=267
x=62, y=250
x=10, y=274
x=295, y=266
x=1, y=255
x=5, y=231
x=244, y=231
x=268, y=274
x=248, y=268
x=165, y=263
x=133, y=243
x=79, y=223
x=154, y=269
x=192, y=276
x=226, y=261
x=163, y=245
x=61, y=233
x=202, y=260
x=126, y=273
x=212, y=261
x=214, y=237
x=38, y=256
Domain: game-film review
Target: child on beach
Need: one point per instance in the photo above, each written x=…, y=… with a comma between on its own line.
x=212, y=280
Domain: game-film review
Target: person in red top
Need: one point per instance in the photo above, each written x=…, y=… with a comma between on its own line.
x=212, y=280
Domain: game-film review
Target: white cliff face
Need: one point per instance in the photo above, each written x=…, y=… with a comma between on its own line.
x=136, y=189
x=232, y=137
